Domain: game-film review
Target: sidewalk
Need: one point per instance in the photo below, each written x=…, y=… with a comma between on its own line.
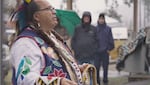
x=116, y=78
x=112, y=61
x=113, y=72
x=144, y=82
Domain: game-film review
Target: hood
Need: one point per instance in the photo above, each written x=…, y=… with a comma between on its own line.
x=87, y=13
x=101, y=15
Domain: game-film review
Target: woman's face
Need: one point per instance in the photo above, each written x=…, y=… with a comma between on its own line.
x=46, y=16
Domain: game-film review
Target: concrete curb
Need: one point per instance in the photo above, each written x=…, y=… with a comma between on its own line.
x=112, y=61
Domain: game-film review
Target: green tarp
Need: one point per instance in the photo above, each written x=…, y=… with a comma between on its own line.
x=68, y=19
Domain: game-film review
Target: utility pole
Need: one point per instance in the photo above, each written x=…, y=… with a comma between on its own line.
x=135, y=17
x=69, y=4
x=1, y=82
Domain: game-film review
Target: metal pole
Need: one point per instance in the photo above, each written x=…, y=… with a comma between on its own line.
x=144, y=14
x=1, y=43
x=135, y=15
x=140, y=17
x=69, y=4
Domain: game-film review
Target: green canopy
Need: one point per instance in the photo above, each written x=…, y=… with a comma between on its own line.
x=68, y=19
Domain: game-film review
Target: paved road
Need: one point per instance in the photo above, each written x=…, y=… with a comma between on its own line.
x=121, y=78
x=115, y=78
x=113, y=72
x=144, y=82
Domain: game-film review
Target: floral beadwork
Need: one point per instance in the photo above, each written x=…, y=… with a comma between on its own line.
x=39, y=40
x=57, y=73
x=24, y=67
x=48, y=69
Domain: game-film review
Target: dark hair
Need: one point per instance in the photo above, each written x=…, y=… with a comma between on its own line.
x=102, y=15
x=25, y=13
x=49, y=41
x=30, y=10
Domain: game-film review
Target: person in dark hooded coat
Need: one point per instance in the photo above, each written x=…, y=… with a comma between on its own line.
x=84, y=42
x=105, y=45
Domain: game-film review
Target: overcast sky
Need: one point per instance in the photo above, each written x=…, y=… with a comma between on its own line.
x=89, y=5
x=96, y=7
x=82, y=5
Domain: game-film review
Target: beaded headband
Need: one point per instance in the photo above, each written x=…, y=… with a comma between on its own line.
x=28, y=1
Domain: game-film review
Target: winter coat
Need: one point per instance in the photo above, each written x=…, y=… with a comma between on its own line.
x=84, y=41
x=104, y=37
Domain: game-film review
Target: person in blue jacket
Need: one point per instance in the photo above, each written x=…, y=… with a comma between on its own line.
x=105, y=45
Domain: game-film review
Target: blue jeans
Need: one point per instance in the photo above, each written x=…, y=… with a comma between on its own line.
x=102, y=59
